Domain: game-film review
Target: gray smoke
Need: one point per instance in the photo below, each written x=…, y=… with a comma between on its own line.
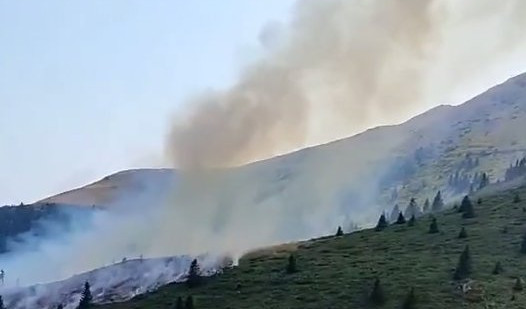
x=342, y=66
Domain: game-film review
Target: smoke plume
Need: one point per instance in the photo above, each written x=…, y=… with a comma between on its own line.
x=342, y=66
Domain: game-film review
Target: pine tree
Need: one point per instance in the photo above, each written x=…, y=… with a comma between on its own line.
x=438, y=203
x=433, y=227
x=518, y=284
x=377, y=295
x=60, y=306
x=410, y=300
x=179, y=303
x=498, y=269
x=467, y=207
x=412, y=209
x=86, y=297
x=339, y=232
x=516, y=199
x=189, y=304
x=427, y=206
x=464, y=267
x=2, y=306
x=523, y=244
x=463, y=233
x=394, y=213
x=484, y=181
x=411, y=221
x=193, y=278
x=401, y=219
x=291, y=266
x=382, y=223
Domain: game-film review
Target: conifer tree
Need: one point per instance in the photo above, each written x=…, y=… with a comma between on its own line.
x=60, y=306
x=193, y=278
x=516, y=199
x=484, y=181
x=438, y=203
x=339, y=232
x=523, y=244
x=382, y=223
x=427, y=206
x=394, y=213
x=179, y=303
x=291, y=266
x=2, y=306
x=464, y=267
x=463, y=233
x=412, y=209
x=410, y=300
x=433, y=227
x=411, y=221
x=498, y=269
x=467, y=207
x=189, y=304
x=377, y=295
x=401, y=219
x=86, y=297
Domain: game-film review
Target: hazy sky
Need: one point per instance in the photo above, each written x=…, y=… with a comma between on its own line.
x=87, y=87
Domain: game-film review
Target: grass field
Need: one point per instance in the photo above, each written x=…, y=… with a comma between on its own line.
x=338, y=272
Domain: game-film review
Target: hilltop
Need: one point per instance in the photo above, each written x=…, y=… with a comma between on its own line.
x=339, y=271
x=370, y=171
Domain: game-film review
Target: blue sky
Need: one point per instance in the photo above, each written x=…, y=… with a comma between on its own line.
x=87, y=88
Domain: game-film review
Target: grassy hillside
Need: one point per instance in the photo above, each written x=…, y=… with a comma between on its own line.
x=338, y=272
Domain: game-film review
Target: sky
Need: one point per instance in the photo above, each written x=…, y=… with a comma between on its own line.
x=87, y=88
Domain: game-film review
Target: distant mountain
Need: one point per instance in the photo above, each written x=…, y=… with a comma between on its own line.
x=445, y=148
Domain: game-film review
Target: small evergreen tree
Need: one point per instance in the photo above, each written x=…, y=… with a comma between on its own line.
x=401, y=219
x=411, y=221
x=518, y=284
x=427, y=206
x=86, y=297
x=377, y=295
x=193, y=278
x=516, y=199
x=410, y=300
x=467, y=208
x=464, y=267
x=498, y=269
x=339, y=232
x=433, y=227
x=291, y=266
x=189, y=304
x=484, y=181
x=523, y=244
x=394, y=213
x=60, y=306
x=382, y=223
x=438, y=203
x=463, y=233
x=179, y=303
x=412, y=209
x=2, y=306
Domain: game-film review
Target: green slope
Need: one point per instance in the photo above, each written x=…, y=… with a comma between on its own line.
x=338, y=272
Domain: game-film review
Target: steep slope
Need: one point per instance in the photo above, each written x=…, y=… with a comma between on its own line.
x=339, y=272
x=367, y=172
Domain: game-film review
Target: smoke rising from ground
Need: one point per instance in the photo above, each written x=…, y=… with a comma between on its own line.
x=342, y=66
x=338, y=68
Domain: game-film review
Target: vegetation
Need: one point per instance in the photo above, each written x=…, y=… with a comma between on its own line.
x=498, y=269
x=433, y=227
x=382, y=223
x=86, y=298
x=377, y=296
x=193, y=278
x=464, y=267
x=339, y=232
x=410, y=300
x=339, y=272
x=2, y=306
x=463, y=233
x=401, y=218
x=291, y=265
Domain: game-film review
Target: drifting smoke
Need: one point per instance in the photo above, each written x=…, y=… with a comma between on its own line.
x=342, y=66
x=339, y=67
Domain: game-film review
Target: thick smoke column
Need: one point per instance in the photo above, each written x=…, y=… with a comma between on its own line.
x=342, y=66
